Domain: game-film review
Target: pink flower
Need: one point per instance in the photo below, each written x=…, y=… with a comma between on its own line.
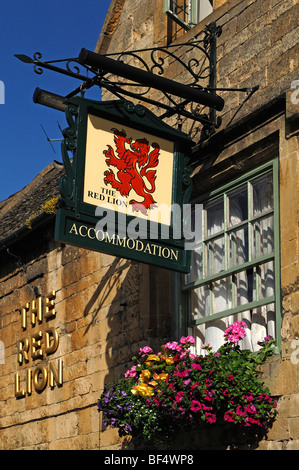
x=184, y=373
x=194, y=385
x=145, y=350
x=229, y=416
x=187, y=339
x=183, y=354
x=208, y=395
x=248, y=397
x=179, y=396
x=250, y=408
x=235, y=332
x=131, y=372
x=206, y=408
x=195, y=405
x=265, y=341
x=196, y=366
x=240, y=411
x=253, y=421
x=173, y=346
x=211, y=418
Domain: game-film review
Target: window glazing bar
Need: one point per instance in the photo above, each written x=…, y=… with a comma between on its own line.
x=229, y=272
x=232, y=311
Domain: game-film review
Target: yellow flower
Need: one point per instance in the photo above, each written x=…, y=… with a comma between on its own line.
x=162, y=376
x=145, y=375
x=169, y=360
x=143, y=390
x=153, y=357
x=153, y=382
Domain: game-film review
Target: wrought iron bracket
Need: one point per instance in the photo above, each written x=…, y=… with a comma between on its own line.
x=195, y=61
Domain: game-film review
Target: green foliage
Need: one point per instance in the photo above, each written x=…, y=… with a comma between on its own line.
x=175, y=390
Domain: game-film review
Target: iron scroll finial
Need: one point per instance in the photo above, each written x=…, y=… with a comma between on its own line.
x=194, y=99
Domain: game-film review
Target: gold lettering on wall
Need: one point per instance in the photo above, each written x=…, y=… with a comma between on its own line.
x=36, y=310
x=50, y=305
x=38, y=346
x=51, y=340
x=40, y=377
x=23, y=348
x=18, y=393
x=55, y=375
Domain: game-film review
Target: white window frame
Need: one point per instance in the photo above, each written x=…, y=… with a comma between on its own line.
x=194, y=12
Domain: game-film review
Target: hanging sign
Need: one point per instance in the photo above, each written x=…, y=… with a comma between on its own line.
x=127, y=183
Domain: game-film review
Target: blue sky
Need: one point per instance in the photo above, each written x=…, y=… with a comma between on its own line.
x=58, y=29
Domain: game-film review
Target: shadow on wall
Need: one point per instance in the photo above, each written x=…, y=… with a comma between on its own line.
x=109, y=283
x=129, y=308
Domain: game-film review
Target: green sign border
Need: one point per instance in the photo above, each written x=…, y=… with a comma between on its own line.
x=82, y=232
x=74, y=210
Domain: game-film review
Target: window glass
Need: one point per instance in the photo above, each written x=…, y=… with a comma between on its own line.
x=200, y=302
x=238, y=206
x=267, y=279
x=187, y=13
x=196, y=271
x=215, y=256
x=232, y=269
x=262, y=194
x=238, y=246
x=214, y=216
x=263, y=241
x=222, y=294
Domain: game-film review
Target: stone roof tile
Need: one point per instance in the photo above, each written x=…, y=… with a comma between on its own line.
x=15, y=210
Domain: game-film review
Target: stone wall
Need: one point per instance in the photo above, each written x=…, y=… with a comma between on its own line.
x=102, y=317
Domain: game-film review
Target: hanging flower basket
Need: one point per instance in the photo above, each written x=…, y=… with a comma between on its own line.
x=174, y=390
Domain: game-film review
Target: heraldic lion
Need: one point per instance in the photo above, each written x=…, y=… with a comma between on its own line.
x=135, y=164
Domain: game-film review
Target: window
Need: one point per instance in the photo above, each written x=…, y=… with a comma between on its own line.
x=235, y=264
x=187, y=13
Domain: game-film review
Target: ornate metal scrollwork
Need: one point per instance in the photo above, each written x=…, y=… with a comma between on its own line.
x=132, y=108
x=194, y=61
x=187, y=181
x=66, y=183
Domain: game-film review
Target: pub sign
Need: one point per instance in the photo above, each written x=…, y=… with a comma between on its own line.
x=127, y=180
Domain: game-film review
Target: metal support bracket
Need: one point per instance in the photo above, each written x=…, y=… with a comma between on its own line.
x=195, y=61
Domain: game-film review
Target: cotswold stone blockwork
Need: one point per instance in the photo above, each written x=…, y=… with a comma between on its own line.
x=99, y=322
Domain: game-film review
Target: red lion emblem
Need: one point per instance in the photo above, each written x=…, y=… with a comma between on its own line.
x=134, y=164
